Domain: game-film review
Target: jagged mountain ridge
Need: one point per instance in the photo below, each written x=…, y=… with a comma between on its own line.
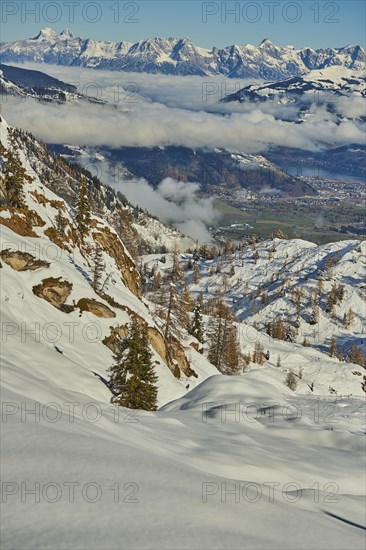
x=179, y=56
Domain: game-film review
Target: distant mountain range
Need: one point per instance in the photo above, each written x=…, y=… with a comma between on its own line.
x=179, y=56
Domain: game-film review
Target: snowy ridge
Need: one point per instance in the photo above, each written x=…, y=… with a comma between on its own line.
x=179, y=56
x=326, y=84
x=25, y=83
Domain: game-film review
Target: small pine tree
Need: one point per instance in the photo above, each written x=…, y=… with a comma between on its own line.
x=258, y=353
x=98, y=266
x=349, y=318
x=60, y=223
x=333, y=347
x=83, y=216
x=356, y=355
x=291, y=380
x=314, y=316
x=133, y=380
x=196, y=326
x=196, y=273
x=222, y=339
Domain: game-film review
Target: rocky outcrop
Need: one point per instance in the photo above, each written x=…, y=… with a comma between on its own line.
x=111, y=244
x=55, y=292
x=22, y=261
x=172, y=353
x=279, y=234
x=96, y=308
x=22, y=221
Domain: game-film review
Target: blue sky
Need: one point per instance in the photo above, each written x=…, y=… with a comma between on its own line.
x=301, y=23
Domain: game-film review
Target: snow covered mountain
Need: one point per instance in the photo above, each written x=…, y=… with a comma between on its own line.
x=24, y=83
x=332, y=82
x=316, y=294
x=47, y=276
x=224, y=455
x=179, y=56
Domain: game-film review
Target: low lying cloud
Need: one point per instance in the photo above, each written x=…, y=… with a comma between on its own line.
x=174, y=202
x=150, y=125
x=159, y=110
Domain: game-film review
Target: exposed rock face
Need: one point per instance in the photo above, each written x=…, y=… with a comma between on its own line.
x=95, y=307
x=278, y=234
x=22, y=221
x=113, y=246
x=172, y=354
x=54, y=291
x=197, y=347
x=22, y=261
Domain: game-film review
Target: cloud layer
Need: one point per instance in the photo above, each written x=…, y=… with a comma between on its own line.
x=150, y=110
x=174, y=202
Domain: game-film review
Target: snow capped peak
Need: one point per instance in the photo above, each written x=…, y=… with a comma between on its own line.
x=180, y=56
x=66, y=33
x=266, y=41
x=46, y=34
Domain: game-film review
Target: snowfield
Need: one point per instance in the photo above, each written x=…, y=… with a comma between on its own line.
x=236, y=463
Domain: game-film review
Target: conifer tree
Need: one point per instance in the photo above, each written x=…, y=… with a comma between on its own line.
x=61, y=223
x=83, y=216
x=291, y=380
x=333, y=347
x=258, y=353
x=175, y=301
x=98, y=266
x=133, y=380
x=196, y=326
x=196, y=273
x=222, y=340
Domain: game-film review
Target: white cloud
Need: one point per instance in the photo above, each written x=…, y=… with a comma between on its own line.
x=156, y=110
x=173, y=202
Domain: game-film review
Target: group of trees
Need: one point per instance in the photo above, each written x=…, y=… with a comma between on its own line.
x=13, y=176
x=222, y=340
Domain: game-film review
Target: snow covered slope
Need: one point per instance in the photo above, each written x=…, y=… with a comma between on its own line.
x=26, y=83
x=235, y=464
x=336, y=88
x=339, y=81
x=238, y=462
x=179, y=56
x=60, y=339
x=291, y=282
